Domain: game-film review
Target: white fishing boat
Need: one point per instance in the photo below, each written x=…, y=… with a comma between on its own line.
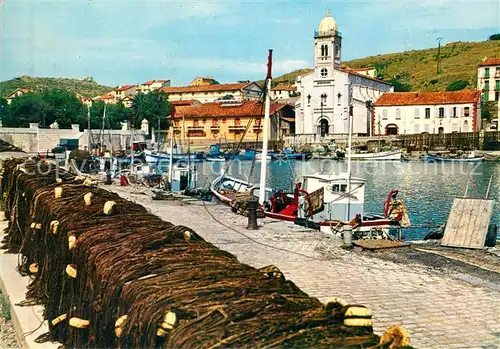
x=226, y=188
x=259, y=156
x=215, y=159
x=391, y=155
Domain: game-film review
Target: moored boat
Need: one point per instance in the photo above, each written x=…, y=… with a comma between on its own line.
x=435, y=158
x=391, y=155
x=226, y=188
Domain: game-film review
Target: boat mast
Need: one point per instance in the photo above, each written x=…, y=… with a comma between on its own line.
x=132, y=143
x=88, y=130
x=263, y=162
x=101, y=141
x=348, y=213
x=171, y=159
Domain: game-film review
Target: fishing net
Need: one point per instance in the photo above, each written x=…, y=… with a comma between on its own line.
x=111, y=275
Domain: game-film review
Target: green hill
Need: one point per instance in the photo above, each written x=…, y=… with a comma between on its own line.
x=87, y=87
x=416, y=70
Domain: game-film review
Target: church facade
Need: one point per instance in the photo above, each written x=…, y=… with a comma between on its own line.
x=329, y=93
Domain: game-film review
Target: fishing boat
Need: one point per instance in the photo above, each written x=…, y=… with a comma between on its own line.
x=321, y=200
x=259, y=156
x=290, y=154
x=391, y=155
x=158, y=157
x=215, y=159
x=435, y=158
x=227, y=189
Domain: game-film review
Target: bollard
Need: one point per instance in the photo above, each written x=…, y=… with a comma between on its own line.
x=252, y=214
x=108, y=178
x=347, y=234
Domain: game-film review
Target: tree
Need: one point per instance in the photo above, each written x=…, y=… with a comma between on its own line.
x=399, y=86
x=495, y=37
x=151, y=106
x=4, y=109
x=63, y=107
x=26, y=109
x=457, y=85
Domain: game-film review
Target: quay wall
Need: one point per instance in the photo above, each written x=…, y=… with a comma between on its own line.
x=34, y=139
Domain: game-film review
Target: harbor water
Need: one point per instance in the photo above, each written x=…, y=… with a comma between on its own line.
x=428, y=189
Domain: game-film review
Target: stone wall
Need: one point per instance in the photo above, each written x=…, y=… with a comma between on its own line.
x=37, y=140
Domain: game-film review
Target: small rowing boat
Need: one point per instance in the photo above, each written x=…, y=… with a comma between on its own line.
x=434, y=158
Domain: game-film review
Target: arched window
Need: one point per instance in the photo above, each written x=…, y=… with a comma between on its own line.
x=322, y=50
x=324, y=72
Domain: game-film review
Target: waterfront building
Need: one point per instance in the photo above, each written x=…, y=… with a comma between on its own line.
x=488, y=79
x=152, y=85
x=203, y=81
x=17, y=93
x=329, y=92
x=227, y=120
x=282, y=91
x=212, y=93
x=400, y=113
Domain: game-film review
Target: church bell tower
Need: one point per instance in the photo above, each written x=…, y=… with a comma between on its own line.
x=327, y=46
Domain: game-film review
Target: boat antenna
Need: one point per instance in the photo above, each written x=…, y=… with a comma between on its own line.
x=263, y=161
x=350, y=114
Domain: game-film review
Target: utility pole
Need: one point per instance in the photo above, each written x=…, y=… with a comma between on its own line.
x=439, y=54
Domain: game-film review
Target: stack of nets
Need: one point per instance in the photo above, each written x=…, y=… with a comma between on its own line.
x=111, y=275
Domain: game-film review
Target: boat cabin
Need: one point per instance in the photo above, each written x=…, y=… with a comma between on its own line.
x=339, y=202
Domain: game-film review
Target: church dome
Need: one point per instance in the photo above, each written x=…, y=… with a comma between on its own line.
x=327, y=24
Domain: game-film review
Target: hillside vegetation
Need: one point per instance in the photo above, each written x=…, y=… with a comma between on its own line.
x=416, y=70
x=87, y=87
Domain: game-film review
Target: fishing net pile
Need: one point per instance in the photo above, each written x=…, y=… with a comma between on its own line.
x=5, y=146
x=111, y=275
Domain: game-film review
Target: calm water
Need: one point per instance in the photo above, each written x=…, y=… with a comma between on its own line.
x=428, y=189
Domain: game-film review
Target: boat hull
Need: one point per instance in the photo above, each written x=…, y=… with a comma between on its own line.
x=394, y=155
x=430, y=158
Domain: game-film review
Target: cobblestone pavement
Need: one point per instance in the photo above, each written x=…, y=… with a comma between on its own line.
x=439, y=310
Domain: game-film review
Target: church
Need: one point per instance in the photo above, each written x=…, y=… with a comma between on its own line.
x=330, y=92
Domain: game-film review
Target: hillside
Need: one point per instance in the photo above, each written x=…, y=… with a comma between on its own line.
x=416, y=70
x=86, y=87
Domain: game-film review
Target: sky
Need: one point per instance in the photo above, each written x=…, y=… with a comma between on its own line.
x=121, y=42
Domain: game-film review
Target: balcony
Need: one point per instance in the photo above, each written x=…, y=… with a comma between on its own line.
x=215, y=127
x=195, y=128
x=236, y=128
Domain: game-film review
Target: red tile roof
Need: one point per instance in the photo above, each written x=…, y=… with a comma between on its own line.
x=489, y=62
x=427, y=98
x=124, y=88
x=184, y=102
x=216, y=109
x=162, y=81
x=106, y=96
x=149, y=82
x=208, y=88
x=23, y=90
x=361, y=69
x=284, y=88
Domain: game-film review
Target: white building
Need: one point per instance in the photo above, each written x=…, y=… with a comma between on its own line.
x=152, y=85
x=488, y=79
x=328, y=91
x=402, y=113
x=283, y=92
x=17, y=93
x=212, y=93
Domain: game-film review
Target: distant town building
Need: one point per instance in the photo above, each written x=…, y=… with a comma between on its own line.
x=400, y=113
x=152, y=85
x=124, y=91
x=85, y=100
x=17, y=93
x=227, y=120
x=283, y=92
x=328, y=92
x=108, y=98
x=203, y=81
x=488, y=79
x=128, y=101
x=212, y=93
